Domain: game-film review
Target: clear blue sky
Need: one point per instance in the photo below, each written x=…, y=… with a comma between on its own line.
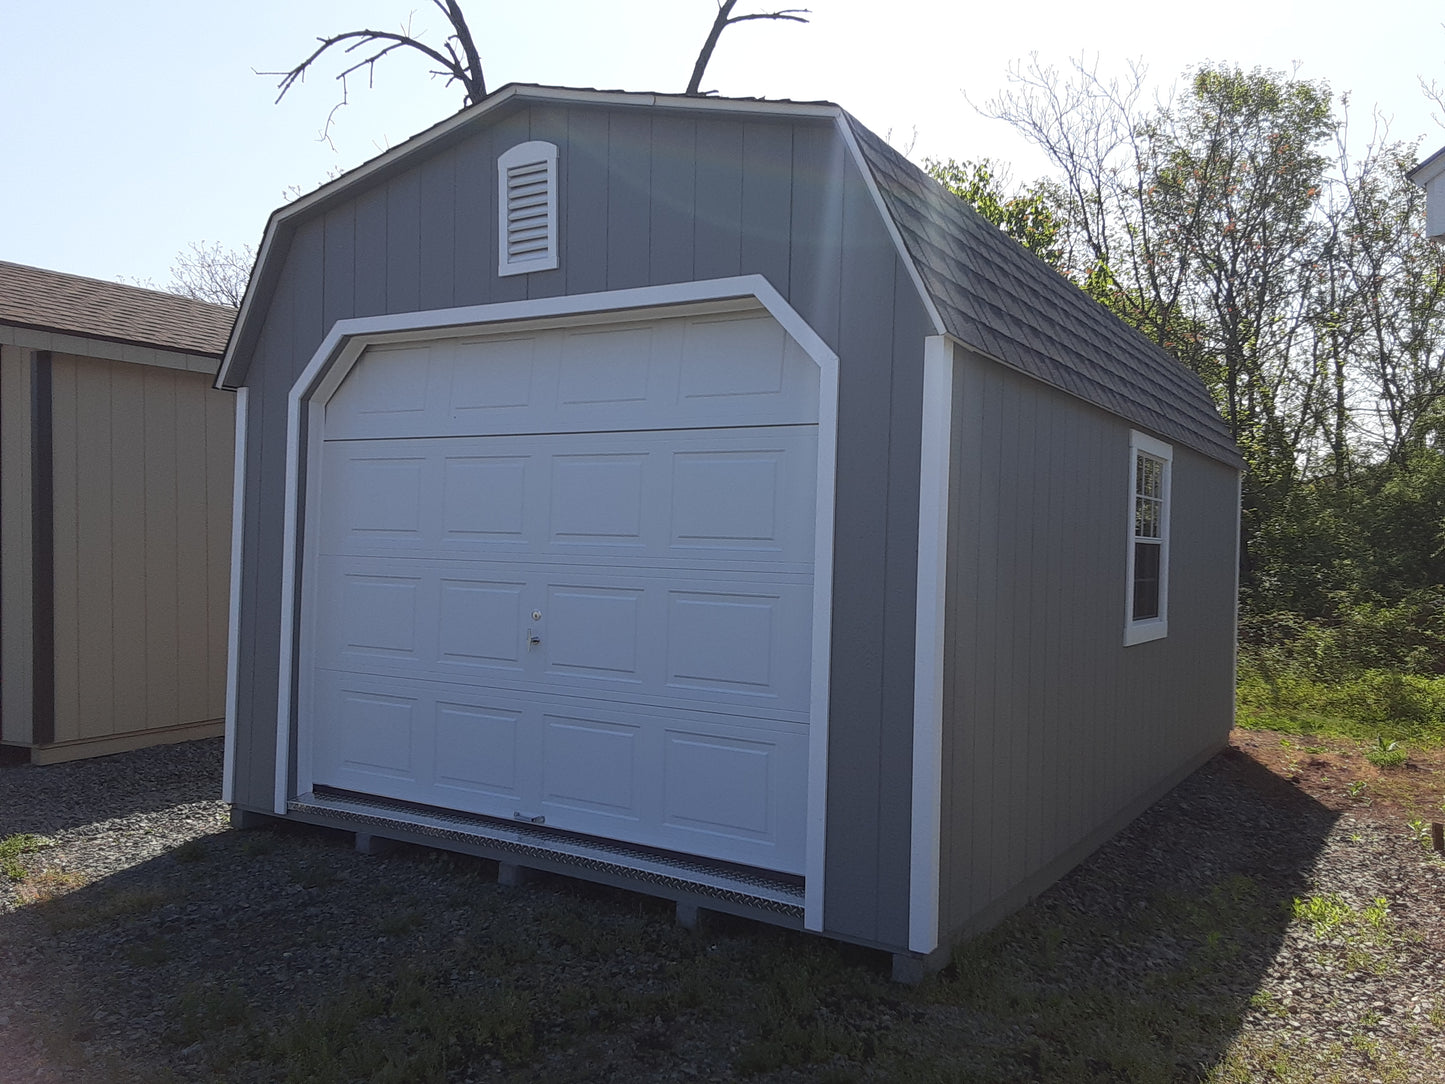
x=129, y=128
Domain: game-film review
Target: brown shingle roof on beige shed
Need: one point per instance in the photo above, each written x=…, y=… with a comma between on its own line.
x=50, y=301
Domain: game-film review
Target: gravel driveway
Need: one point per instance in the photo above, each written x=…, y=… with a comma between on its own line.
x=152, y=942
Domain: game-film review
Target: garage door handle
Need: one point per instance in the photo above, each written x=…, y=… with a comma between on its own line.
x=532, y=638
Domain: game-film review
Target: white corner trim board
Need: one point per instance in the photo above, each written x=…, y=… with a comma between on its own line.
x=822, y=614
x=343, y=346
x=933, y=496
x=233, y=646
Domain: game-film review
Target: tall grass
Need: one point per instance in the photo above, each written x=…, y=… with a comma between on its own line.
x=1368, y=706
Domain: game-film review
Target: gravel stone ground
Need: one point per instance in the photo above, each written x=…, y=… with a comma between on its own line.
x=134, y=943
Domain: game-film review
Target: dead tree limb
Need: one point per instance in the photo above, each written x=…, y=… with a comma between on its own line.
x=725, y=18
x=464, y=68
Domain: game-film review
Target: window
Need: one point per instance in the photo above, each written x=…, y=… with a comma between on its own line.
x=1146, y=612
x=527, y=208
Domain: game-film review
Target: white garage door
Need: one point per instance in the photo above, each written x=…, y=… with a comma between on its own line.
x=568, y=575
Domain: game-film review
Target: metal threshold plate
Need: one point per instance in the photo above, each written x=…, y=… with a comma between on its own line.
x=772, y=892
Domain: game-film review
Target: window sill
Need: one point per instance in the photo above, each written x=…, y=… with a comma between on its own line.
x=1140, y=632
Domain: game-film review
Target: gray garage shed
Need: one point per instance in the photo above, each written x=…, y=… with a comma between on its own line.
x=688, y=494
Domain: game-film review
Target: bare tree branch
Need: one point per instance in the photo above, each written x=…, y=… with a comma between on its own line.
x=462, y=34
x=465, y=68
x=726, y=18
x=211, y=272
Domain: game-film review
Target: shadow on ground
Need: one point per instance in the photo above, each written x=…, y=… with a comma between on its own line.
x=1142, y=962
x=260, y=954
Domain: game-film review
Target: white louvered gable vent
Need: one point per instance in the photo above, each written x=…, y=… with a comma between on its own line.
x=527, y=208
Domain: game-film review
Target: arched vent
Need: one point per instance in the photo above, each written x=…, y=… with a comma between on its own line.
x=527, y=208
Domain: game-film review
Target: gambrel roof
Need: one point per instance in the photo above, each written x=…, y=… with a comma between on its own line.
x=1000, y=299
x=51, y=302
x=979, y=286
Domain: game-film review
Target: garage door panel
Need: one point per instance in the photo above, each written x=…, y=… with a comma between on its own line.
x=378, y=616
x=590, y=765
x=423, y=741
x=568, y=574
x=368, y=736
x=597, y=500
x=723, y=642
x=592, y=633
x=484, y=500
x=388, y=390
x=735, y=792
x=608, y=368
x=649, y=635
x=479, y=623
x=383, y=498
x=675, y=779
x=489, y=381
x=737, y=370
x=729, y=357
x=725, y=496
x=481, y=749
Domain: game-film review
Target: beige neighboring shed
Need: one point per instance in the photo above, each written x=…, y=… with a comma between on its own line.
x=115, y=516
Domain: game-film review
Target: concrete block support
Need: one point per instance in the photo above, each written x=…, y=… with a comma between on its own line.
x=690, y=916
x=511, y=875
x=910, y=968
x=245, y=818
x=366, y=843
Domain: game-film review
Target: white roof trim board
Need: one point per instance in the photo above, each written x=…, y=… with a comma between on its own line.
x=979, y=287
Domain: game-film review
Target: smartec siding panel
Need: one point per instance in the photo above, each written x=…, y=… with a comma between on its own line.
x=142, y=533
x=1053, y=731
x=645, y=199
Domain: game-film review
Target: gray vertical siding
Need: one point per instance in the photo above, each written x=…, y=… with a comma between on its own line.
x=650, y=199
x=1053, y=730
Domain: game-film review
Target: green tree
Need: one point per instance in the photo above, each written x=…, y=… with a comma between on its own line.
x=1234, y=224
x=1028, y=215
x=1197, y=219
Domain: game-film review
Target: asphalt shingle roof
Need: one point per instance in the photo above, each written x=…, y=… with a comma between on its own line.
x=32, y=297
x=998, y=298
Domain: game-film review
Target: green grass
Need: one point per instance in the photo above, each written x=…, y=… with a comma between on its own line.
x=12, y=847
x=1376, y=708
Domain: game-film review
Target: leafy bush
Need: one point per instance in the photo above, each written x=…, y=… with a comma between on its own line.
x=1406, y=636
x=1387, y=754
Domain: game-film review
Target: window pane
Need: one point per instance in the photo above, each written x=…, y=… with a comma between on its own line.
x=1149, y=477
x=1146, y=580
x=1146, y=518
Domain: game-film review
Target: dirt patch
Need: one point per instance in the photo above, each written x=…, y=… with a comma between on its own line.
x=1337, y=773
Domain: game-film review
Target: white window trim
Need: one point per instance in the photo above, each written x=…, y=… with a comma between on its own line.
x=533, y=153
x=1152, y=628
